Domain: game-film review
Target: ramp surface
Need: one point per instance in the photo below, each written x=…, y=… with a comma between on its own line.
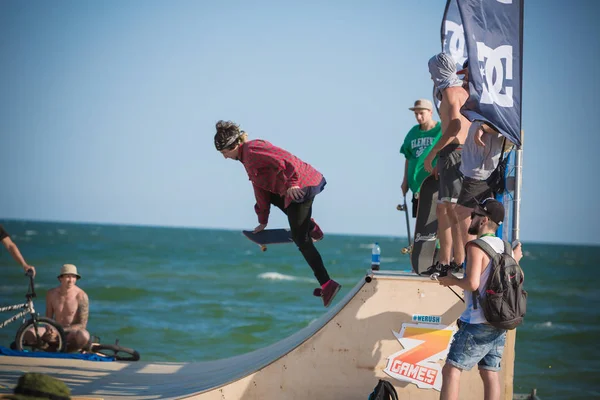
x=341, y=355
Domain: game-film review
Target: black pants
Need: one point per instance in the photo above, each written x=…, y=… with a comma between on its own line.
x=300, y=225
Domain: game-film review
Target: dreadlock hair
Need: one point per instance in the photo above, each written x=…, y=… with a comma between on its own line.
x=229, y=135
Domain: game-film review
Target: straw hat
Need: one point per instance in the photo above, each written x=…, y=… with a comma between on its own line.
x=69, y=269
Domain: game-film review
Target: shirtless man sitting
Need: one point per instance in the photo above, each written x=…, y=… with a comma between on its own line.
x=69, y=306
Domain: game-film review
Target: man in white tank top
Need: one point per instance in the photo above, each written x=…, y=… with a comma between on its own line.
x=476, y=341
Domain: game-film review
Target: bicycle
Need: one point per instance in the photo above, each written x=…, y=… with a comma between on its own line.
x=33, y=324
x=113, y=350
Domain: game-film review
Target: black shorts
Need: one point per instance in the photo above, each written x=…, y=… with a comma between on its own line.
x=473, y=191
x=450, y=177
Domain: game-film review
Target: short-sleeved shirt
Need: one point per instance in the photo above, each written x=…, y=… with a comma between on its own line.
x=417, y=145
x=3, y=233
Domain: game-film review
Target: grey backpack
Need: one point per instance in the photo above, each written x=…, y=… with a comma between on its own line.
x=505, y=300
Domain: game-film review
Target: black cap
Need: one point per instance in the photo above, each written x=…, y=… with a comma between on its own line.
x=492, y=209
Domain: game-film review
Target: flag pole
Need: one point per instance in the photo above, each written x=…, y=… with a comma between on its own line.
x=516, y=225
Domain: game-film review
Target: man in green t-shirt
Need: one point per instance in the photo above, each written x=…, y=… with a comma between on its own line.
x=417, y=144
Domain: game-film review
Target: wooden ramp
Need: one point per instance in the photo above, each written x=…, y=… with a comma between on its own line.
x=340, y=356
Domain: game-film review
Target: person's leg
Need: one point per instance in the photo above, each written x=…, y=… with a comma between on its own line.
x=29, y=336
x=77, y=339
x=491, y=384
x=463, y=354
x=454, y=181
x=300, y=226
x=463, y=215
x=415, y=205
x=444, y=233
x=458, y=243
x=450, y=382
x=314, y=229
x=471, y=193
x=279, y=202
x=489, y=366
x=442, y=211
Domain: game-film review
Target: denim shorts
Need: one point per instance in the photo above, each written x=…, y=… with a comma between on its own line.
x=480, y=344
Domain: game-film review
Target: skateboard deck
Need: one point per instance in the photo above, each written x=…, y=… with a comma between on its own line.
x=424, y=244
x=404, y=207
x=269, y=236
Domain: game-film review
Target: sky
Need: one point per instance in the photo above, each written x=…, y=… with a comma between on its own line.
x=108, y=108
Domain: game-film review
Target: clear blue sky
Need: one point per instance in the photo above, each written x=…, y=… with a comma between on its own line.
x=107, y=108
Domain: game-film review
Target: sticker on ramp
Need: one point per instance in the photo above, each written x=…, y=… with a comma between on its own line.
x=424, y=346
x=427, y=319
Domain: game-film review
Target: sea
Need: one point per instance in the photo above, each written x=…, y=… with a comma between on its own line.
x=187, y=294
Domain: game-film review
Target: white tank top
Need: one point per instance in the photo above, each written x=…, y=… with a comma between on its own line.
x=471, y=315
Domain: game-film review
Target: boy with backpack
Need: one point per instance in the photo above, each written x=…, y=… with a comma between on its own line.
x=490, y=279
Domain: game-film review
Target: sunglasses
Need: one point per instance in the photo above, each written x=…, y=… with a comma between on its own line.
x=474, y=214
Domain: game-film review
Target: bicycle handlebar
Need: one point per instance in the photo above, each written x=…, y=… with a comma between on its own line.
x=29, y=274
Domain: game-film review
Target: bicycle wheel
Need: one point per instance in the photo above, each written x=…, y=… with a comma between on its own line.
x=118, y=352
x=34, y=342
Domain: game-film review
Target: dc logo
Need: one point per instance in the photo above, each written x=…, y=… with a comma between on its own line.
x=494, y=74
x=454, y=42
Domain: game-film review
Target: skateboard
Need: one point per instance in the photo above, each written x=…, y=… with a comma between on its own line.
x=424, y=245
x=403, y=207
x=269, y=236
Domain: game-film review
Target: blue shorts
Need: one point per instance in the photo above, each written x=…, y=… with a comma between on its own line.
x=480, y=344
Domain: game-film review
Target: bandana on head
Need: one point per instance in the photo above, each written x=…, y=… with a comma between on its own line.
x=443, y=72
x=224, y=142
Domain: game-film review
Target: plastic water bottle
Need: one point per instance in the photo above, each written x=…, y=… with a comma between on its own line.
x=375, y=257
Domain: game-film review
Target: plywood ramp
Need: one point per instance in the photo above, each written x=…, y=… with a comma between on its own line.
x=340, y=356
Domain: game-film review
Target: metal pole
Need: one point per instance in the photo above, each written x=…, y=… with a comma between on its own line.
x=517, y=195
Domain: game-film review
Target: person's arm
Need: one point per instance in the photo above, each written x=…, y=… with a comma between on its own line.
x=518, y=252
x=476, y=260
x=83, y=312
x=454, y=99
x=484, y=128
x=49, y=307
x=405, y=179
x=16, y=254
x=262, y=207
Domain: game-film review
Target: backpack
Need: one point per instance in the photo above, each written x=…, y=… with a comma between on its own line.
x=496, y=181
x=384, y=391
x=505, y=302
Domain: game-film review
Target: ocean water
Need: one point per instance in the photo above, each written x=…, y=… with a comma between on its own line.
x=179, y=294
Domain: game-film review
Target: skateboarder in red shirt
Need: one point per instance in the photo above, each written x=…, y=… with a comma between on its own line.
x=290, y=184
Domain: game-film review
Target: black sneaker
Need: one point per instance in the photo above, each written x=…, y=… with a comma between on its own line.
x=435, y=268
x=456, y=268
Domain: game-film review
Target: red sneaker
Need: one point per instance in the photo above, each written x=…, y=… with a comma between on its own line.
x=316, y=233
x=328, y=291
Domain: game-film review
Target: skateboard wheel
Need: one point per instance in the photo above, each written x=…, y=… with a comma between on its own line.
x=368, y=279
x=263, y=248
x=404, y=250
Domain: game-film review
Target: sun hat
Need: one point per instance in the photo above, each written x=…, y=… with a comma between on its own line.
x=69, y=269
x=422, y=104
